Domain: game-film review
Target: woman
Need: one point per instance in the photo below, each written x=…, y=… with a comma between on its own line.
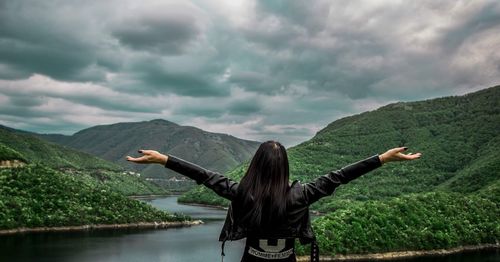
x=265, y=208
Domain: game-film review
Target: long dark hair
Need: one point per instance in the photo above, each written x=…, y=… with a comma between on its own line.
x=262, y=193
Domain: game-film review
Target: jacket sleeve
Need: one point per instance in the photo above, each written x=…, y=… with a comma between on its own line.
x=220, y=184
x=326, y=184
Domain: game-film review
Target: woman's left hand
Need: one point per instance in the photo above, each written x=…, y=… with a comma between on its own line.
x=396, y=154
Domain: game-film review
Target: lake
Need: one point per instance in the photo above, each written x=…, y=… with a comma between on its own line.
x=193, y=244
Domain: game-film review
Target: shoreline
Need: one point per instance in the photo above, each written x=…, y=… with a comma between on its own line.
x=140, y=225
x=402, y=254
x=203, y=205
x=149, y=196
x=181, y=203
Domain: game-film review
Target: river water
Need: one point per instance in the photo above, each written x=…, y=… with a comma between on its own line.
x=190, y=244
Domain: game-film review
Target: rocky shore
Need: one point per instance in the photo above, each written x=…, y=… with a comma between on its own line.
x=401, y=254
x=159, y=225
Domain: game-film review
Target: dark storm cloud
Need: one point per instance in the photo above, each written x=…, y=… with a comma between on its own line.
x=36, y=37
x=23, y=111
x=485, y=18
x=257, y=82
x=27, y=101
x=38, y=90
x=182, y=83
x=260, y=69
x=25, y=59
x=215, y=108
x=163, y=33
x=311, y=57
x=358, y=50
x=244, y=107
x=305, y=14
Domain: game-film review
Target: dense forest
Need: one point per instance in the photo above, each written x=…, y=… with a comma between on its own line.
x=39, y=196
x=20, y=145
x=458, y=137
x=34, y=149
x=58, y=186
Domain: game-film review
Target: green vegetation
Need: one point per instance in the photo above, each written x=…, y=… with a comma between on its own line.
x=36, y=150
x=124, y=182
x=458, y=137
x=201, y=195
x=7, y=153
x=36, y=196
x=218, y=152
x=63, y=187
x=413, y=222
x=15, y=144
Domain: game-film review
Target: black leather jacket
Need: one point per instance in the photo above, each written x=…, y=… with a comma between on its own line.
x=300, y=196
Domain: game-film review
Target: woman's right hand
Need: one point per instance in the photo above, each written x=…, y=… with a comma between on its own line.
x=396, y=154
x=149, y=157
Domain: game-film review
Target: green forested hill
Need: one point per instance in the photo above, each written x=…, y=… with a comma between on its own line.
x=20, y=145
x=413, y=201
x=114, y=142
x=34, y=149
x=458, y=137
x=38, y=196
x=7, y=153
x=63, y=187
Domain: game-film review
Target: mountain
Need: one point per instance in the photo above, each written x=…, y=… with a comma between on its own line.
x=21, y=146
x=38, y=196
x=218, y=152
x=458, y=136
x=449, y=198
x=52, y=185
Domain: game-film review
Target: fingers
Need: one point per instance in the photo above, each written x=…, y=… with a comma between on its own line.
x=417, y=155
x=134, y=159
x=411, y=156
x=146, y=152
x=146, y=157
x=401, y=149
x=396, y=154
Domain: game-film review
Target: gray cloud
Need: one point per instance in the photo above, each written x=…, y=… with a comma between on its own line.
x=182, y=83
x=165, y=29
x=486, y=17
x=244, y=107
x=50, y=38
x=260, y=70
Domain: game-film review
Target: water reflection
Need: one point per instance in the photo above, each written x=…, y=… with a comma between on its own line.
x=194, y=244
x=197, y=244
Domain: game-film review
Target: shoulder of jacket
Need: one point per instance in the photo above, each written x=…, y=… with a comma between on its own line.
x=295, y=183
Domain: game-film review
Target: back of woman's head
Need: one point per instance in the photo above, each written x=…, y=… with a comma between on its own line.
x=262, y=193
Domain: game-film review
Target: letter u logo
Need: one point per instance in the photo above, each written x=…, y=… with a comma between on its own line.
x=264, y=245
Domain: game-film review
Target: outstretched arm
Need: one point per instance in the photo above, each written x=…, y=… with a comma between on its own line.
x=326, y=184
x=220, y=184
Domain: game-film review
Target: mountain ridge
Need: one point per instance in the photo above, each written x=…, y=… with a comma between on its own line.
x=215, y=151
x=448, y=198
x=457, y=136
x=31, y=147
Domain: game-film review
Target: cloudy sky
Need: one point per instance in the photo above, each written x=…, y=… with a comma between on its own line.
x=254, y=69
